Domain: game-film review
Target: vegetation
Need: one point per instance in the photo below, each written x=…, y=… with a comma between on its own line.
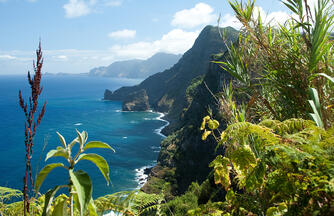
x=278, y=156
x=30, y=125
x=191, y=89
x=80, y=186
x=273, y=133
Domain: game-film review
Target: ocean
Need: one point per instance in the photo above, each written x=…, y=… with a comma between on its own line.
x=75, y=102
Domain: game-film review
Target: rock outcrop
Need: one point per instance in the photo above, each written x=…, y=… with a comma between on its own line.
x=107, y=94
x=136, y=101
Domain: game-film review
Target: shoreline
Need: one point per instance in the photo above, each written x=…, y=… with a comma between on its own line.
x=141, y=173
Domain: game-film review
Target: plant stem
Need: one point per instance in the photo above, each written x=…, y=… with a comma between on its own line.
x=71, y=200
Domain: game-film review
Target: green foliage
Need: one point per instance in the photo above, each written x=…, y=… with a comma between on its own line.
x=6, y=195
x=316, y=108
x=182, y=204
x=10, y=208
x=80, y=186
x=192, y=88
x=275, y=65
x=276, y=162
x=278, y=167
x=129, y=203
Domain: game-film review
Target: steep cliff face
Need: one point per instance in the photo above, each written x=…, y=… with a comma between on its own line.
x=136, y=101
x=185, y=93
x=166, y=90
x=183, y=151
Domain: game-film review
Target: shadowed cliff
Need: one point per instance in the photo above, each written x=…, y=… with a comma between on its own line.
x=166, y=91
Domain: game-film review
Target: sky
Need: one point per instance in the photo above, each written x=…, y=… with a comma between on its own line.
x=78, y=35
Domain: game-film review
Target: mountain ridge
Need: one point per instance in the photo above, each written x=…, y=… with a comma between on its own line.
x=182, y=92
x=136, y=68
x=166, y=90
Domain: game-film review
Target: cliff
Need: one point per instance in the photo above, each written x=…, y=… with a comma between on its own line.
x=183, y=152
x=136, y=101
x=185, y=93
x=166, y=90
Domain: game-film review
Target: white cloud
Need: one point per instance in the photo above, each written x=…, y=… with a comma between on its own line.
x=80, y=61
x=176, y=41
x=273, y=18
x=61, y=58
x=7, y=57
x=113, y=3
x=230, y=20
x=122, y=34
x=201, y=14
x=77, y=8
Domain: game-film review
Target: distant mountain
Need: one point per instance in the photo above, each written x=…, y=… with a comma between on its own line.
x=182, y=92
x=137, y=68
x=166, y=91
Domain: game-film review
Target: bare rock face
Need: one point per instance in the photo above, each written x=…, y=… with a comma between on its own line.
x=107, y=94
x=136, y=101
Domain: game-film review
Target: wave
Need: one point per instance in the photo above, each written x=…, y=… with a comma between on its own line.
x=78, y=124
x=160, y=118
x=141, y=177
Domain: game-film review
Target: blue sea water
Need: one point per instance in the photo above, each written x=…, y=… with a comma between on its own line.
x=75, y=102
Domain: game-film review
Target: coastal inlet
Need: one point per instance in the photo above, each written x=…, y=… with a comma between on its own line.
x=74, y=102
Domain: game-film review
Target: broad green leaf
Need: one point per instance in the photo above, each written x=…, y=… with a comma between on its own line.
x=92, y=208
x=48, y=199
x=83, y=186
x=59, y=152
x=44, y=172
x=60, y=209
x=62, y=139
x=213, y=124
x=206, y=134
x=99, y=161
x=76, y=204
x=97, y=144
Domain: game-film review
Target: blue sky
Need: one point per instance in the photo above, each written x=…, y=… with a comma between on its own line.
x=78, y=35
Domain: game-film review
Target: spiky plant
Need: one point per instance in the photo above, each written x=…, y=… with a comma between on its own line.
x=276, y=64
